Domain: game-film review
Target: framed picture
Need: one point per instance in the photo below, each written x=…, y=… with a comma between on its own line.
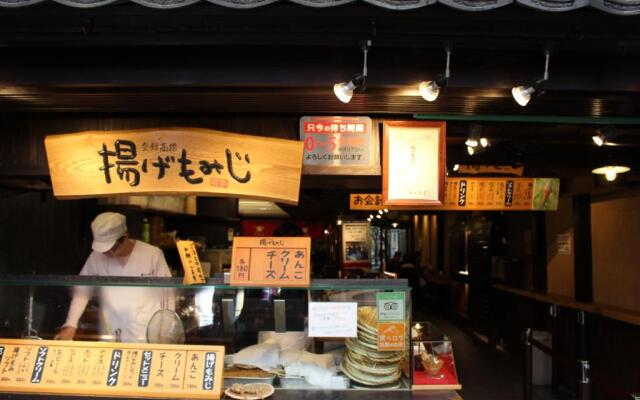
x=356, y=244
x=413, y=163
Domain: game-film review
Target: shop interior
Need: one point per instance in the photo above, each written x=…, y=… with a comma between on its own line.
x=481, y=277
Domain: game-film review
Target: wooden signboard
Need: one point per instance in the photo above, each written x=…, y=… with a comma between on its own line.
x=190, y=263
x=413, y=163
x=271, y=261
x=495, y=194
x=111, y=369
x=174, y=161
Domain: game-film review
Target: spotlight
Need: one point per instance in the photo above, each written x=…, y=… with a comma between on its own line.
x=471, y=142
x=326, y=231
x=380, y=212
x=344, y=91
x=484, y=142
x=386, y=210
x=604, y=136
x=522, y=94
x=471, y=150
x=611, y=172
x=475, y=142
x=429, y=90
x=456, y=167
x=378, y=216
x=371, y=216
x=339, y=222
x=394, y=224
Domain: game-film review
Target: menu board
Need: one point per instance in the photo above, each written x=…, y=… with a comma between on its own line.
x=111, y=369
x=271, y=261
x=488, y=194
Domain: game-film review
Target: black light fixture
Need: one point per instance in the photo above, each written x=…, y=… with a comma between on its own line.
x=522, y=94
x=604, y=135
x=344, y=90
x=429, y=90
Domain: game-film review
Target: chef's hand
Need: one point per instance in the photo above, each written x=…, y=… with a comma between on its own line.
x=66, y=333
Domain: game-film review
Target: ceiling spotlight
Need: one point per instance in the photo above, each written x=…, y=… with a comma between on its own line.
x=522, y=94
x=471, y=142
x=339, y=222
x=456, y=167
x=484, y=142
x=378, y=216
x=429, y=90
x=380, y=212
x=394, y=224
x=344, y=91
x=369, y=219
x=611, y=172
x=386, y=210
x=604, y=136
x=371, y=216
x=471, y=150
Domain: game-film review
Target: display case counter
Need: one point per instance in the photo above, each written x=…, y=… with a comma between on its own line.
x=263, y=330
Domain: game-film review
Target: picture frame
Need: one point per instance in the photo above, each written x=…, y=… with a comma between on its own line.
x=414, y=163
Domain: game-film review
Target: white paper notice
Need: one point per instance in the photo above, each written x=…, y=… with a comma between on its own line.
x=328, y=319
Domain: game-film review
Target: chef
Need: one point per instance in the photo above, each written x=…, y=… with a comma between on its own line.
x=124, y=311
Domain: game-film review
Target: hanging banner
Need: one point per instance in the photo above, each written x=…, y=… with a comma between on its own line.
x=111, y=369
x=340, y=146
x=271, y=261
x=356, y=244
x=491, y=194
x=174, y=161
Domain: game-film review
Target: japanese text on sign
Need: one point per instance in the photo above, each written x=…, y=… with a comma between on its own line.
x=124, y=158
x=333, y=319
x=190, y=262
x=113, y=369
x=365, y=201
x=276, y=262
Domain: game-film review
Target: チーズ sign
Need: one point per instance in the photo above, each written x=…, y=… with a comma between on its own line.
x=190, y=262
x=111, y=369
x=340, y=146
x=174, y=161
x=271, y=261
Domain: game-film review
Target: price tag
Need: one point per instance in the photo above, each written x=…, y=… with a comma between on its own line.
x=271, y=261
x=193, y=274
x=111, y=369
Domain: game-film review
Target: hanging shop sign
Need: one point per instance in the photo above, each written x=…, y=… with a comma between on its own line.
x=413, y=163
x=490, y=170
x=356, y=244
x=340, y=146
x=174, y=161
x=365, y=201
x=190, y=262
x=271, y=261
x=111, y=369
x=494, y=194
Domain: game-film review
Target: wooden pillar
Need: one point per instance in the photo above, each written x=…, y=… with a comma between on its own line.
x=582, y=247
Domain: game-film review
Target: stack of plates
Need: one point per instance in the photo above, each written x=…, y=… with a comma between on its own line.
x=363, y=362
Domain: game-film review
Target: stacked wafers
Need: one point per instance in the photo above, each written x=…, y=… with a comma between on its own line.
x=363, y=362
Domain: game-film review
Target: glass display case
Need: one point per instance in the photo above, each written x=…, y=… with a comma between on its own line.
x=433, y=364
x=264, y=330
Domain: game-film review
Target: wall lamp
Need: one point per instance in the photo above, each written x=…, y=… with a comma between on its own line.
x=429, y=90
x=604, y=135
x=344, y=91
x=522, y=94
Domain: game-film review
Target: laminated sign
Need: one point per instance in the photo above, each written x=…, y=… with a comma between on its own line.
x=391, y=321
x=190, y=262
x=111, y=369
x=271, y=261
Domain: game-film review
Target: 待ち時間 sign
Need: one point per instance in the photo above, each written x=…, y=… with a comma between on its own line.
x=271, y=261
x=111, y=369
x=174, y=161
x=340, y=146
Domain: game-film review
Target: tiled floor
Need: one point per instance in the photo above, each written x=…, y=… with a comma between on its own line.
x=485, y=373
